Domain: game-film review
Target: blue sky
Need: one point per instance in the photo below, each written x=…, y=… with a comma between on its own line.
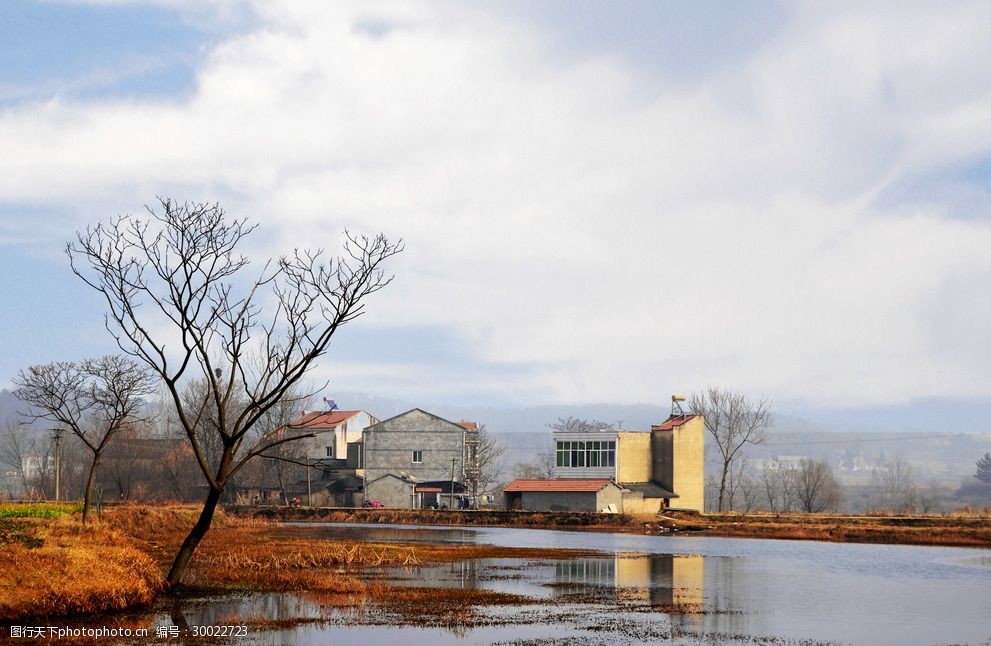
x=601, y=201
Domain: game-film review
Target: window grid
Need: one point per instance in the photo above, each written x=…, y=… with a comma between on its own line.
x=417, y=457
x=586, y=454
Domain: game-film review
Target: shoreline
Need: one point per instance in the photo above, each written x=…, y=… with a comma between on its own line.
x=955, y=530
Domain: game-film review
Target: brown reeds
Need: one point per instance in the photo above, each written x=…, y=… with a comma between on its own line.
x=76, y=569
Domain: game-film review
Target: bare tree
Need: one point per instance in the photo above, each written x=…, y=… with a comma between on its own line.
x=15, y=447
x=541, y=467
x=576, y=425
x=815, y=486
x=287, y=460
x=180, y=270
x=895, y=486
x=747, y=486
x=733, y=421
x=93, y=400
x=486, y=462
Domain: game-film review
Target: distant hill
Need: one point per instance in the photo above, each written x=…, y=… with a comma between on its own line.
x=8, y=407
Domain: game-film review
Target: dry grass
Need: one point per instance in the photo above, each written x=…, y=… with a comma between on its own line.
x=77, y=569
x=971, y=530
x=492, y=518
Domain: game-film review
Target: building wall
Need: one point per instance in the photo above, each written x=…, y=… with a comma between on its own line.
x=559, y=501
x=662, y=460
x=392, y=492
x=633, y=463
x=593, y=473
x=688, y=481
x=315, y=448
x=389, y=446
x=635, y=503
x=610, y=494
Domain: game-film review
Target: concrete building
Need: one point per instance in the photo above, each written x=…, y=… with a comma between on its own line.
x=417, y=460
x=563, y=495
x=677, y=450
x=656, y=469
x=333, y=429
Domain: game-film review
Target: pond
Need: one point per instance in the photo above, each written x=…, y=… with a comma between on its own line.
x=675, y=589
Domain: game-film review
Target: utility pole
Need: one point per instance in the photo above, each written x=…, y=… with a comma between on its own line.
x=58, y=461
x=453, y=461
x=309, y=491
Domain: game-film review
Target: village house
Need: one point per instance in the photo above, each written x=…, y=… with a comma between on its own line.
x=333, y=430
x=653, y=470
x=417, y=460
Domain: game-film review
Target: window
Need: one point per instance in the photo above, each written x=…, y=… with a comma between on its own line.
x=330, y=451
x=586, y=454
x=417, y=457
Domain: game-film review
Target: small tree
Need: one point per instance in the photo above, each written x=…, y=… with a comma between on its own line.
x=178, y=300
x=576, y=425
x=15, y=447
x=486, y=462
x=815, y=486
x=94, y=400
x=541, y=467
x=733, y=421
x=895, y=486
x=984, y=469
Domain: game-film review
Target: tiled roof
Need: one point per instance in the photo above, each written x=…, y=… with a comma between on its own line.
x=323, y=419
x=471, y=426
x=556, y=485
x=672, y=422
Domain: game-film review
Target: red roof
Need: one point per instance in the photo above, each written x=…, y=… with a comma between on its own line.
x=471, y=426
x=557, y=485
x=323, y=419
x=672, y=422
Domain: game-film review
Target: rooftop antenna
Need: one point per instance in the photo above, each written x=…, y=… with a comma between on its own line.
x=331, y=404
x=676, y=410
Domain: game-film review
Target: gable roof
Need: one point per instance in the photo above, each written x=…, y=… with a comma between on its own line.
x=415, y=410
x=569, y=485
x=471, y=426
x=672, y=422
x=408, y=480
x=326, y=419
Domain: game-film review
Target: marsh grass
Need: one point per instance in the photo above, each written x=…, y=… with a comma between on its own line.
x=76, y=569
x=972, y=530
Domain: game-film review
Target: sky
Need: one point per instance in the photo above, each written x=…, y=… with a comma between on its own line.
x=600, y=201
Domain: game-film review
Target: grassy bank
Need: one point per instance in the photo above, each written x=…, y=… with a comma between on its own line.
x=961, y=529
x=51, y=564
x=58, y=566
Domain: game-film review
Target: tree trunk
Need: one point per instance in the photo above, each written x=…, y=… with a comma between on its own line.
x=196, y=534
x=722, y=485
x=90, y=482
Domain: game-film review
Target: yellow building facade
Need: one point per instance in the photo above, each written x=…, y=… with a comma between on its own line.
x=661, y=468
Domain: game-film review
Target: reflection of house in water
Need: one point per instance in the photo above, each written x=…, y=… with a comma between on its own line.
x=657, y=579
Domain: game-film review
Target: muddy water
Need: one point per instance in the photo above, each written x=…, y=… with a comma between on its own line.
x=647, y=589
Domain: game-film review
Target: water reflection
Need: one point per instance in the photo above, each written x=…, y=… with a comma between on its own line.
x=672, y=581
x=645, y=589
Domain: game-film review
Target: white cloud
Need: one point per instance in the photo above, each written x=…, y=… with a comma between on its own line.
x=614, y=237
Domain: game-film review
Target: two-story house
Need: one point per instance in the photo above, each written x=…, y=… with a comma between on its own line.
x=333, y=430
x=663, y=467
x=417, y=460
